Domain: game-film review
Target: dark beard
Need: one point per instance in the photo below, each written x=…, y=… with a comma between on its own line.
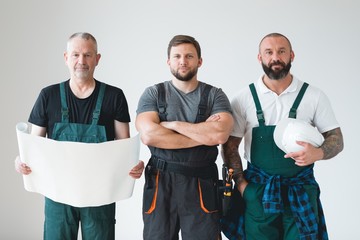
x=276, y=75
x=186, y=77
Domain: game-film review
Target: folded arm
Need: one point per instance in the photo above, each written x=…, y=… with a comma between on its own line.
x=154, y=134
x=215, y=130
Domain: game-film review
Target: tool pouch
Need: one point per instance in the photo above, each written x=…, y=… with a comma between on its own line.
x=150, y=189
x=208, y=191
x=225, y=196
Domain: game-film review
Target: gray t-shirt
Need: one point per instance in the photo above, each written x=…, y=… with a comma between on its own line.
x=184, y=107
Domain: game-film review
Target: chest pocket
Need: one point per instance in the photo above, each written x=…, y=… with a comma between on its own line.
x=265, y=154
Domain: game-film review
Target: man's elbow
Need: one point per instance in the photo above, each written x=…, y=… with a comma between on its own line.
x=224, y=134
x=145, y=139
x=223, y=138
x=220, y=138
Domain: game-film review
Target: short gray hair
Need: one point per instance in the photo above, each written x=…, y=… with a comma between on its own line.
x=83, y=35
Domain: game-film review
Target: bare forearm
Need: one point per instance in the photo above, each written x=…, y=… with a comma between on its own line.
x=333, y=143
x=200, y=132
x=122, y=130
x=167, y=139
x=155, y=135
x=231, y=157
x=212, y=132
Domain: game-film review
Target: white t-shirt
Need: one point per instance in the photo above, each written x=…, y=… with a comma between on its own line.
x=314, y=108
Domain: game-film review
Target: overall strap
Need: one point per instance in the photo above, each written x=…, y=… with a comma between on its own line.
x=259, y=111
x=292, y=113
x=64, y=107
x=96, y=113
x=161, y=101
x=201, y=117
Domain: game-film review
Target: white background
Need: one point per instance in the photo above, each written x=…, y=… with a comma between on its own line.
x=133, y=37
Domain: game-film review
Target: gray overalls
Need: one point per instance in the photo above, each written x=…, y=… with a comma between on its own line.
x=175, y=191
x=61, y=220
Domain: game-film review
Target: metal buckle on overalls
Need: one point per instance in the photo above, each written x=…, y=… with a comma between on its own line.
x=160, y=164
x=202, y=110
x=260, y=115
x=292, y=113
x=162, y=109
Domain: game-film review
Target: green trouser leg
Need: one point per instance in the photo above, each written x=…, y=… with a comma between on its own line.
x=98, y=223
x=266, y=226
x=62, y=222
x=271, y=226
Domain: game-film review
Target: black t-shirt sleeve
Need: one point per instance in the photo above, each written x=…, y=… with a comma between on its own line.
x=38, y=115
x=47, y=108
x=115, y=104
x=114, y=107
x=122, y=109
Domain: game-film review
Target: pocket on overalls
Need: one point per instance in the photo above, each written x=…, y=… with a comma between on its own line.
x=150, y=190
x=208, y=195
x=252, y=195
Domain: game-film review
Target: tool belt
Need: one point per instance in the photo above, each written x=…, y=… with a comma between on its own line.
x=201, y=172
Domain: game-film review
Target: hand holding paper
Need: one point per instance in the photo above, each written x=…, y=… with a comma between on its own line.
x=79, y=174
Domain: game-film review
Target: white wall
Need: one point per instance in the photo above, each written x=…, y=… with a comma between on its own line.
x=133, y=37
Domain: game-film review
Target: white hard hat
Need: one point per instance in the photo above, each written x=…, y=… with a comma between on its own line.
x=290, y=130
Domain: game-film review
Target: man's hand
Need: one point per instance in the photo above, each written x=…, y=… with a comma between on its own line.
x=241, y=187
x=21, y=167
x=306, y=156
x=213, y=118
x=137, y=171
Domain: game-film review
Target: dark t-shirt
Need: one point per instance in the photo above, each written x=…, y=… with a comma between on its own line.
x=47, y=109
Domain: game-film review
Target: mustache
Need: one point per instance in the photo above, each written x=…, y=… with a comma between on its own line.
x=83, y=67
x=277, y=63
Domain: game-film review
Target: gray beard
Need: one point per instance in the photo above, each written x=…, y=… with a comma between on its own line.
x=81, y=74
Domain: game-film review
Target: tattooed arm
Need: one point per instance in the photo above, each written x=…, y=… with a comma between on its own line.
x=332, y=145
x=231, y=158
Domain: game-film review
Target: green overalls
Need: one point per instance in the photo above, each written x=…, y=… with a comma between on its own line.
x=266, y=156
x=61, y=220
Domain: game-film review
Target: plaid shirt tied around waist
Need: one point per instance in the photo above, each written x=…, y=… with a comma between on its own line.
x=304, y=214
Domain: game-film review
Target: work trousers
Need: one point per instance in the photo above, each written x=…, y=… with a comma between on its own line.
x=174, y=202
x=272, y=226
x=62, y=222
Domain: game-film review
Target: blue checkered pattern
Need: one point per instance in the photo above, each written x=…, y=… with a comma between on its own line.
x=305, y=217
x=304, y=214
x=233, y=227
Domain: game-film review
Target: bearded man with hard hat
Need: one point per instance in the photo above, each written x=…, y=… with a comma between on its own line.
x=280, y=192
